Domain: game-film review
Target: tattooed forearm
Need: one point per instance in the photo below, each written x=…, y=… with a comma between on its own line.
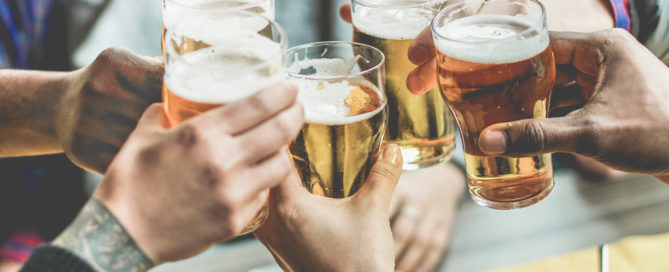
x=98, y=238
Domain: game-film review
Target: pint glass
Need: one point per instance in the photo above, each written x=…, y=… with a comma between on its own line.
x=495, y=65
x=341, y=88
x=216, y=58
x=421, y=126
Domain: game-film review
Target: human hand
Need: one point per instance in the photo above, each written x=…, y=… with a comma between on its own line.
x=306, y=232
x=567, y=15
x=422, y=212
x=179, y=191
x=625, y=121
x=102, y=104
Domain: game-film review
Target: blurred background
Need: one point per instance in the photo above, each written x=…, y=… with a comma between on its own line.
x=579, y=216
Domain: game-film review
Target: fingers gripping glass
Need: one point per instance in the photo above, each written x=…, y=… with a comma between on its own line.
x=341, y=88
x=495, y=65
x=216, y=58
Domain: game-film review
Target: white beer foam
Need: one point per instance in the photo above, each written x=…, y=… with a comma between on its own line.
x=492, y=38
x=222, y=73
x=324, y=101
x=393, y=22
x=176, y=10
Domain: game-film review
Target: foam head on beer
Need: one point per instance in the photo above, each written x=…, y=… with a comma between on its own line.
x=394, y=22
x=334, y=102
x=492, y=38
x=215, y=59
x=176, y=9
x=226, y=71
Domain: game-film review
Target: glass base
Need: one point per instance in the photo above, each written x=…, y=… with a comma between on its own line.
x=511, y=205
x=416, y=158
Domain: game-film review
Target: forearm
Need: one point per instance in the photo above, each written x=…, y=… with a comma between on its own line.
x=98, y=238
x=30, y=104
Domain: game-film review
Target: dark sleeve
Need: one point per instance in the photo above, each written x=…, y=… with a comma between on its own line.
x=645, y=16
x=55, y=259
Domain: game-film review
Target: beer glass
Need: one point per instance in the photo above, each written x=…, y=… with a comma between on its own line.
x=421, y=126
x=495, y=65
x=216, y=58
x=341, y=88
x=174, y=10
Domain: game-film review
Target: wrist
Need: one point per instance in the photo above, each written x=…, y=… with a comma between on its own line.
x=98, y=238
x=29, y=111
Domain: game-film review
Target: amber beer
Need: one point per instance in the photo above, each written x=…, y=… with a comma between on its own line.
x=218, y=58
x=503, y=71
x=421, y=125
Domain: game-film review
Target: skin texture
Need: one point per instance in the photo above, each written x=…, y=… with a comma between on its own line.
x=87, y=114
x=98, y=237
x=306, y=232
x=623, y=123
x=422, y=211
x=211, y=174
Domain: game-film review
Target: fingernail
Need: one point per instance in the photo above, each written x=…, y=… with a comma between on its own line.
x=392, y=154
x=415, y=84
x=493, y=143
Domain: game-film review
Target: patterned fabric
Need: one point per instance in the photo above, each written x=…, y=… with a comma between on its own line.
x=20, y=245
x=621, y=13
x=23, y=31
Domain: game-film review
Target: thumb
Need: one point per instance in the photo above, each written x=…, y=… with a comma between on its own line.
x=153, y=120
x=345, y=12
x=291, y=187
x=536, y=136
x=383, y=178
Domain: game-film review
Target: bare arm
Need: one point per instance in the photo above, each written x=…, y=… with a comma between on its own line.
x=29, y=106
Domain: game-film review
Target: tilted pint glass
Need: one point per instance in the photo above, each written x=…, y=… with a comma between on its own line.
x=216, y=58
x=341, y=88
x=495, y=65
x=421, y=126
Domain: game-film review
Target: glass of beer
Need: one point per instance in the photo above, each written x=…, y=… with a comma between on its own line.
x=341, y=88
x=495, y=65
x=174, y=10
x=216, y=58
x=421, y=126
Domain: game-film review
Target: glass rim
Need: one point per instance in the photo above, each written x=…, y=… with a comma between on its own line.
x=445, y=10
x=281, y=33
x=391, y=6
x=184, y=3
x=346, y=76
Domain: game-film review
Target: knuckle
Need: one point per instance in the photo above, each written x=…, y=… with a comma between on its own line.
x=401, y=233
x=188, y=135
x=260, y=104
x=530, y=139
x=586, y=140
x=211, y=173
x=284, y=128
x=111, y=55
x=384, y=169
